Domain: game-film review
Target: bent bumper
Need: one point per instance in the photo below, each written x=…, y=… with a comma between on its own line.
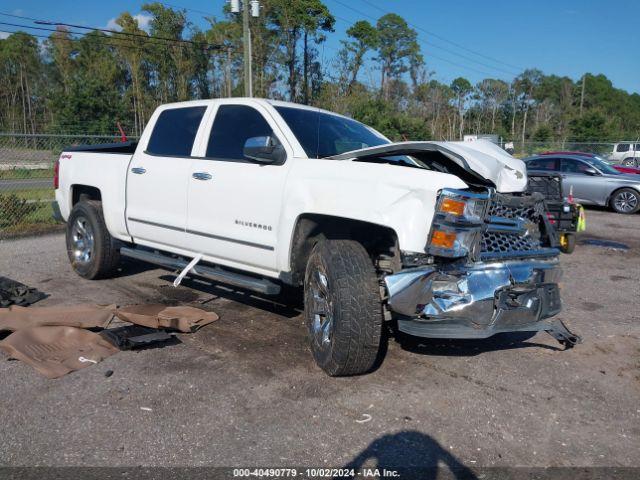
x=475, y=301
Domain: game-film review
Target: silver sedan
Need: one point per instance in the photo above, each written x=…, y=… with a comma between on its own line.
x=591, y=181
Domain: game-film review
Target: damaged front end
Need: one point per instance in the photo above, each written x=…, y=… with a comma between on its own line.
x=490, y=266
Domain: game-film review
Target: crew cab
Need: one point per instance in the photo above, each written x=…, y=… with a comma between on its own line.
x=435, y=239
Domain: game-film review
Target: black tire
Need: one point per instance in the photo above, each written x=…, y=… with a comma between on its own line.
x=99, y=255
x=341, y=281
x=569, y=243
x=625, y=200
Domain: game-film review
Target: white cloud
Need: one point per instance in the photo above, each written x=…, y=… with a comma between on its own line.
x=143, y=20
x=4, y=35
x=112, y=25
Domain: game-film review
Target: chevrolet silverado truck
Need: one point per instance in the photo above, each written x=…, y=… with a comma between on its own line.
x=433, y=239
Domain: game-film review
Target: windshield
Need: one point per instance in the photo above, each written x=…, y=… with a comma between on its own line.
x=601, y=165
x=323, y=134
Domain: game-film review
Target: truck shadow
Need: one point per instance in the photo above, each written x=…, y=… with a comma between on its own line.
x=469, y=347
x=412, y=455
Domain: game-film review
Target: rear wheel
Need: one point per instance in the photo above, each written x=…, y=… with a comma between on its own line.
x=629, y=162
x=625, y=200
x=92, y=251
x=343, y=309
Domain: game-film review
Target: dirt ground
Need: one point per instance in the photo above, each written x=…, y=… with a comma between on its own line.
x=244, y=391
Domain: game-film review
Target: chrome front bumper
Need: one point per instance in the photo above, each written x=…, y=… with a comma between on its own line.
x=477, y=300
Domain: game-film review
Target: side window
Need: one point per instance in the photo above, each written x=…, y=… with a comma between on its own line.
x=637, y=147
x=622, y=147
x=574, y=166
x=543, y=164
x=233, y=125
x=175, y=131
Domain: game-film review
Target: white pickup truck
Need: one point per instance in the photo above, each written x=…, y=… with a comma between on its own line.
x=432, y=239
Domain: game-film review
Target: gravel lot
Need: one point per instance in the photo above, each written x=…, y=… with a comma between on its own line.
x=244, y=391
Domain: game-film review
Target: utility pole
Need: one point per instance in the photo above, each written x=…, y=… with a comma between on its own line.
x=584, y=78
x=246, y=44
x=249, y=8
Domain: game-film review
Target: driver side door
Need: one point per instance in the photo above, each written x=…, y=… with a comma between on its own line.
x=234, y=203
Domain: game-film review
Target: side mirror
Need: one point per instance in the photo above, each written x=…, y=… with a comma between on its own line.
x=265, y=150
x=591, y=171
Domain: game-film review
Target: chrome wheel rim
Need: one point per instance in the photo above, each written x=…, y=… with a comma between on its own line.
x=82, y=240
x=321, y=309
x=626, y=201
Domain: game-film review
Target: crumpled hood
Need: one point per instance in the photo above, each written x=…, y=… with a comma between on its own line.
x=481, y=157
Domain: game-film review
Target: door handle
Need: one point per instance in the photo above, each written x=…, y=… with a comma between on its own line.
x=202, y=176
x=138, y=170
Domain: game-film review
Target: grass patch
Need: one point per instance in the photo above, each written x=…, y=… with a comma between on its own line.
x=38, y=194
x=22, y=173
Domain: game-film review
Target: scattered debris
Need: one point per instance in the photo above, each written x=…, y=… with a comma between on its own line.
x=55, y=340
x=182, y=319
x=187, y=269
x=55, y=351
x=146, y=409
x=17, y=318
x=133, y=336
x=16, y=293
x=365, y=418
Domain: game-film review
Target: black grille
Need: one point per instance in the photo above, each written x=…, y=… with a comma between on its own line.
x=501, y=242
x=521, y=215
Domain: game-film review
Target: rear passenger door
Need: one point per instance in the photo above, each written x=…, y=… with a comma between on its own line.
x=234, y=203
x=158, y=178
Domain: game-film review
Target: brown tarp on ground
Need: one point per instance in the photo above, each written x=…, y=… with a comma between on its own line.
x=56, y=351
x=183, y=319
x=17, y=318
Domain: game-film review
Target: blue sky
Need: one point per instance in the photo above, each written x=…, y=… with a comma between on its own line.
x=495, y=38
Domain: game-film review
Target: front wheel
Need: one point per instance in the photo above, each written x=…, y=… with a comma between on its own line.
x=92, y=251
x=625, y=200
x=343, y=309
x=629, y=162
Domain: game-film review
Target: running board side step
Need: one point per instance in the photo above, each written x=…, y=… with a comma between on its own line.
x=217, y=274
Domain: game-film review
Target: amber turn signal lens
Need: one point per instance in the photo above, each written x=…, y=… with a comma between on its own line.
x=443, y=239
x=455, y=207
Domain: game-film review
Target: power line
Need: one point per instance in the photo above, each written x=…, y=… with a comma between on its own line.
x=113, y=32
x=432, y=55
x=432, y=45
x=121, y=43
x=449, y=41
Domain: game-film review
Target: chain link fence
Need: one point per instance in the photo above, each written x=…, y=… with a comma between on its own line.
x=26, y=173
x=520, y=149
x=26, y=179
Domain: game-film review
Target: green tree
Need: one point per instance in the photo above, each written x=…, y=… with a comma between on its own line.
x=398, y=48
x=363, y=38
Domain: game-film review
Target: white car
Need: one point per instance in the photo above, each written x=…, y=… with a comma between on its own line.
x=436, y=239
x=626, y=153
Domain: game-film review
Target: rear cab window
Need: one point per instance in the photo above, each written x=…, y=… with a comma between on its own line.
x=175, y=131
